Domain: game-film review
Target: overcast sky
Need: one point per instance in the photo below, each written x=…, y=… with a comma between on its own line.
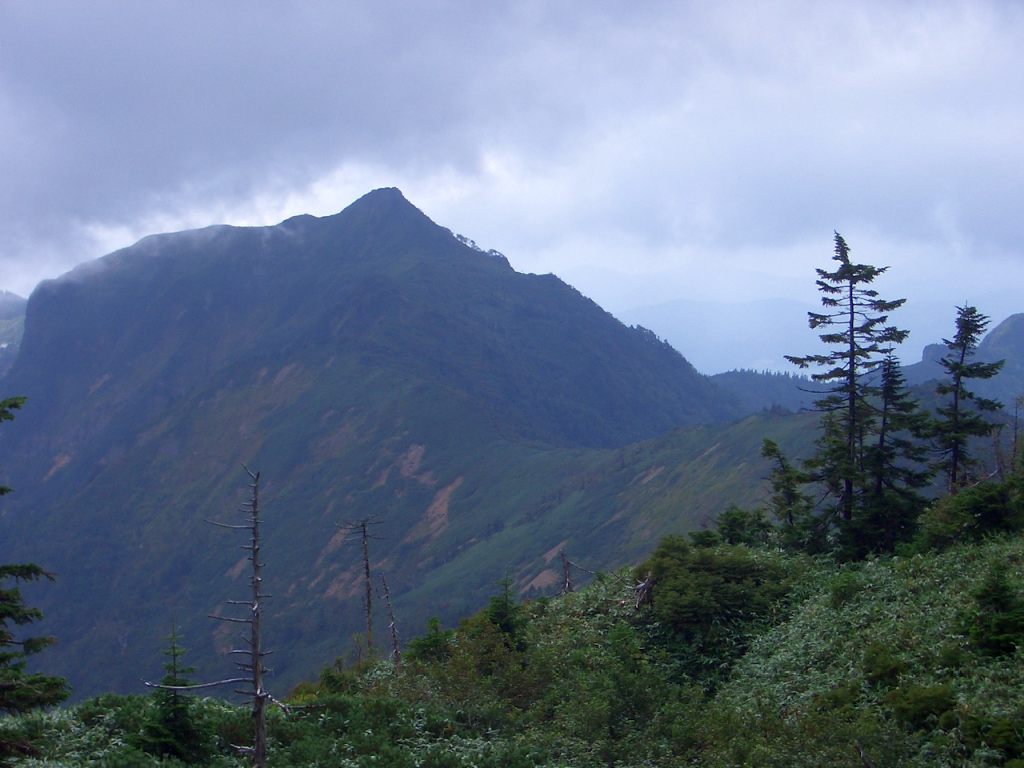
x=645, y=151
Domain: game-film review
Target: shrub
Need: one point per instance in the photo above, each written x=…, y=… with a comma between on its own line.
x=741, y=526
x=880, y=666
x=987, y=508
x=707, y=602
x=996, y=626
x=844, y=588
x=435, y=645
x=916, y=705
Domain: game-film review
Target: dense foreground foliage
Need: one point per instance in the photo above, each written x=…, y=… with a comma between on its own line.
x=748, y=656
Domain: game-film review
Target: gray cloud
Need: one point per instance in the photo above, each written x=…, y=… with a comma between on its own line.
x=718, y=143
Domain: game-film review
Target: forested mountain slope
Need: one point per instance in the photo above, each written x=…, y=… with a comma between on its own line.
x=365, y=363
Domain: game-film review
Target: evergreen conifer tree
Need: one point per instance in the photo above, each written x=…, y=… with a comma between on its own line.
x=173, y=731
x=963, y=417
x=895, y=468
x=503, y=612
x=21, y=691
x=791, y=506
x=856, y=324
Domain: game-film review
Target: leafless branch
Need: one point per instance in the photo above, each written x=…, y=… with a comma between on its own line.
x=196, y=687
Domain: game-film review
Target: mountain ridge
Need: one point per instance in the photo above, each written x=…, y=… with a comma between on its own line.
x=486, y=413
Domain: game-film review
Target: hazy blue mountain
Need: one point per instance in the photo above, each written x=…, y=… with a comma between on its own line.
x=12, y=327
x=719, y=336
x=761, y=390
x=1003, y=342
x=367, y=362
x=12, y=306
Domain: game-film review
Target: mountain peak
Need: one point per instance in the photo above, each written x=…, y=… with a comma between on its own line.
x=386, y=201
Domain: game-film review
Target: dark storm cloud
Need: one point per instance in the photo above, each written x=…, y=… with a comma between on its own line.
x=636, y=136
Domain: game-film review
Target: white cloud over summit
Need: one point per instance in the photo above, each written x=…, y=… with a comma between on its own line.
x=706, y=150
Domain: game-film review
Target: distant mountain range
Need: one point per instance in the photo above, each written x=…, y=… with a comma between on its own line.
x=367, y=363
x=12, y=328
x=1004, y=342
x=764, y=389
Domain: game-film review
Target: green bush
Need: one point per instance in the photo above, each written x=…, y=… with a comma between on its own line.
x=700, y=592
x=984, y=509
x=844, y=588
x=881, y=667
x=741, y=526
x=996, y=626
x=707, y=603
x=919, y=705
x=435, y=645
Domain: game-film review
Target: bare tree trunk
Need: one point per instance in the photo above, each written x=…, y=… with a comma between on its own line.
x=360, y=531
x=567, y=583
x=644, y=590
x=396, y=653
x=259, y=702
x=369, y=592
x=997, y=450
x=254, y=667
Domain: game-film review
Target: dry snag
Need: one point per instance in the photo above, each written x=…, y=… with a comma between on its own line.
x=359, y=532
x=253, y=665
x=567, y=583
x=396, y=653
x=644, y=590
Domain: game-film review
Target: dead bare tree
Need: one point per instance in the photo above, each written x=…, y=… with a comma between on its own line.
x=254, y=653
x=644, y=590
x=396, y=652
x=358, y=532
x=567, y=566
x=567, y=583
x=1017, y=403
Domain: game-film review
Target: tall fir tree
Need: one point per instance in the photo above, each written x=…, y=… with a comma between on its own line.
x=856, y=323
x=895, y=468
x=21, y=691
x=963, y=415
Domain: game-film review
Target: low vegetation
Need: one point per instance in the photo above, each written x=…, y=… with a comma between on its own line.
x=747, y=654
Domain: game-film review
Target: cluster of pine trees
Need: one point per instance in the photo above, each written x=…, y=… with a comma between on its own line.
x=867, y=485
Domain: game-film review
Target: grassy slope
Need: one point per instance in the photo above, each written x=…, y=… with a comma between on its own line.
x=803, y=694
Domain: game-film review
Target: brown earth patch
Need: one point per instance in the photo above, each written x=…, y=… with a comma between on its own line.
x=653, y=473
x=335, y=442
x=335, y=541
x=550, y=554
x=344, y=585
x=61, y=461
x=236, y=569
x=543, y=579
x=283, y=374
x=383, y=478
x=709, y=450
x=99, y=382
x=411, y=460
x=435, y=519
